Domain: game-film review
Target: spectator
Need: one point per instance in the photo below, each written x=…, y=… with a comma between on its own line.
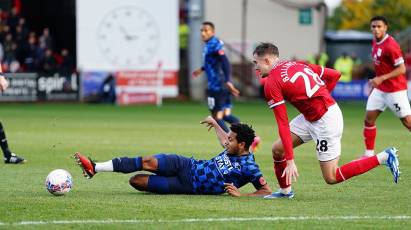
x=108, y=90
x=4, y=32
x=31, y=52
x=319, y=59
x=48, y=65
x=13, y=20
x=9, y=49
x=45, y=39
x=344, y=65
x=66, y=66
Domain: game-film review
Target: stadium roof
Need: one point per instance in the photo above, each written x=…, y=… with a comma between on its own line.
x=348, y=35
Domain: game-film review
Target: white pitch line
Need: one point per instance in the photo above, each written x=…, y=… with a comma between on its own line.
x=197, y=220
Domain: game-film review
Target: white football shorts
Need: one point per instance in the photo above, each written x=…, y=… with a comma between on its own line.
x=326, y=132
x=396, y=101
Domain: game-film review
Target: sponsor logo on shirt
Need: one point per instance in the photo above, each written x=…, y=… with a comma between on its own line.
x=270, y=102
x=224, y=164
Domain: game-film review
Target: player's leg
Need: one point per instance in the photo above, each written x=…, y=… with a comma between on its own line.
x=228, y=116
x=399, y=104
x=370, y=131
x=119, y=164
x=333, y=174
x=215, y=102
x=173, y=175
x=299, y=135
x=9, y=157
x=375, y=105
x=406, y=121
x=160, y=184
x=161, y=164
x=328, y=131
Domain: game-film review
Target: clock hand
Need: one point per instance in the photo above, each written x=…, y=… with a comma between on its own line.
x=126, y=35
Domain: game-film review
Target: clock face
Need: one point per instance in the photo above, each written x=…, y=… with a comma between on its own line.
x=128, y=36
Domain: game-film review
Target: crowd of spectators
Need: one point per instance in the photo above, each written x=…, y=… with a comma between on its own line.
x=23, y=50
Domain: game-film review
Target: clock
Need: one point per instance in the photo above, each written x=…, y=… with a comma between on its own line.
x=128, y=36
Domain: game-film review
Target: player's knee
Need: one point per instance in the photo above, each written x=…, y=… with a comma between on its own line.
x=149, y=163
x=278, y=151
x=330, y=180
x=369, y=121
x=407, y=122
x=138, y=182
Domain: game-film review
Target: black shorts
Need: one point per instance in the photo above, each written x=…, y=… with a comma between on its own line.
x=173, y=175
x=218, y=100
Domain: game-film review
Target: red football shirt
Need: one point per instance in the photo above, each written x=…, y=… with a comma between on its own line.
x=303, y=87
x=300, y=85
x=387, y=55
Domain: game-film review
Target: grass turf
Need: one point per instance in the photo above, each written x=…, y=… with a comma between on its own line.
x=48, y=134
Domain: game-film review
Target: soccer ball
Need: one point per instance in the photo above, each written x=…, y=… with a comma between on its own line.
x=59, y=182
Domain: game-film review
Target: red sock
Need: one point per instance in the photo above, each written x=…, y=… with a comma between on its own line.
x=279, y=167
x=355, y=168
x=370, y=132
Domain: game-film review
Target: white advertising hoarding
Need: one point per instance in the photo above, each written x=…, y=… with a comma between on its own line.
x=131, y=39
x=127, y=35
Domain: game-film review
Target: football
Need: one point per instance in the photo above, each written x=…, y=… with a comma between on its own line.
x=59, y=182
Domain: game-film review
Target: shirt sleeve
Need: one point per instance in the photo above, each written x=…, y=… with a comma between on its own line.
x=280, y=113
x=273, y=93
x=395, y=54
x=255, y=176
x=275, y=101
x=225, y=65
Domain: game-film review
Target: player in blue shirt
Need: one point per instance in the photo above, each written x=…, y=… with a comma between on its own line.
x=218, y=70
x=176, y=174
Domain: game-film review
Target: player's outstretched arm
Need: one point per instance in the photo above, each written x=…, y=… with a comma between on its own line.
x=221, y=134
x=234, y=191
x=233, y=90
x=291, y=171
x=197, y=72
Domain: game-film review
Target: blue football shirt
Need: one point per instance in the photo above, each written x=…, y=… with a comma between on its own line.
x=213, y=64
x=209, y=176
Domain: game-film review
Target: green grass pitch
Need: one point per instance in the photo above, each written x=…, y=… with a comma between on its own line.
x=48, y=134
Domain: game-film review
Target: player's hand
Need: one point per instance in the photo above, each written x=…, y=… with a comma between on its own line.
x=4, y=84
x=376, y=81
x=209, y=121
x=290, y=172
x=197, y=72
x=233, y=90
x=231, y=189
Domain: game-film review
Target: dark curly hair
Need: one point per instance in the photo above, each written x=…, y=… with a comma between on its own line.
x=244, y=133
x=379, y=18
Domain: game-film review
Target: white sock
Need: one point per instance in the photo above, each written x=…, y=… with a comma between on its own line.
x=382, y=157
x=285, y=190
x=104, y=166
x=369, y=153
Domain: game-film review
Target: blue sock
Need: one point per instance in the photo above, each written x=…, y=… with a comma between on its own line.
x=231, y=119
x=126, y=165
x=222, y=125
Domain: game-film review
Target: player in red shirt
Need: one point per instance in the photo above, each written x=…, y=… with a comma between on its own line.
x=308, y=87
x=390, y=84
